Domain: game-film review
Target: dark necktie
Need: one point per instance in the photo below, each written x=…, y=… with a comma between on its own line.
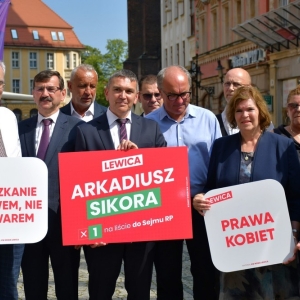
x=2, y=148
x=45, y=139
x=123, y=132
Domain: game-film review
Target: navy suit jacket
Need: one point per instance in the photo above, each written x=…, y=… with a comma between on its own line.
x=62, y=140
x=275, y=158
x=98, y=109
x=95, y=135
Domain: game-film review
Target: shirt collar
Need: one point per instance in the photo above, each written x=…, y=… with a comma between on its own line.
x=111, y=117
x=90, y=110
x=52, y=117
x=190, y=112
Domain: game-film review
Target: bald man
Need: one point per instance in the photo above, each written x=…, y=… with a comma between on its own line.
x=234, y=79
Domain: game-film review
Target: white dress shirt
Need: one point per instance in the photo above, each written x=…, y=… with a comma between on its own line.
x=88, y=115
x=9, y=131
x=115, y=128
x=40, y=128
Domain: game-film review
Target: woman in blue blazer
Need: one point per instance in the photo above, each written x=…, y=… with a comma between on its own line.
x=250, y=155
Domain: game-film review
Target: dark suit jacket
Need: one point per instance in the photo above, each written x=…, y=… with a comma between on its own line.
x=98, y=109
x=275, y=158
x=95, y=135
x=62, y=140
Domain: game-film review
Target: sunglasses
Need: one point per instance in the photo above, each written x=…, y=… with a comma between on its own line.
x=148, y=97
x=293, y=105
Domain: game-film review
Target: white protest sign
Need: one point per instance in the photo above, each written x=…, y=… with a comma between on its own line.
x=248, y=226
x=23, y=200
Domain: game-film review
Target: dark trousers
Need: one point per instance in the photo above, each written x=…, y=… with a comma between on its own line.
x=35, y=264
x=10, y=262
x=168, y=265
x=104, y=265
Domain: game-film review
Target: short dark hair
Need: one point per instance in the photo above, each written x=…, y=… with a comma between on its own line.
x=124, y=74
x=147, y=79
x=46, y=75
x=245, y=93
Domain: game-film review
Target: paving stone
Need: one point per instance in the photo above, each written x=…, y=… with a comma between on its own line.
x=120, y=292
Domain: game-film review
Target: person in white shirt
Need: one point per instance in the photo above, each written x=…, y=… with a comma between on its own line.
x=10, y=255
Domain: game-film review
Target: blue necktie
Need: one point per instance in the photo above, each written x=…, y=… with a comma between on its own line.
x=123, y=132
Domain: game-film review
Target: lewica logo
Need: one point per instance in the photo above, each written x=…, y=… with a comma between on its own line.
x=220, y=197
x=122, y=163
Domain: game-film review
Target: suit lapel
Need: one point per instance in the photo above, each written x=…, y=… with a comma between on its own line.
x=136, y=128
x=104, y=132
x=57, y=135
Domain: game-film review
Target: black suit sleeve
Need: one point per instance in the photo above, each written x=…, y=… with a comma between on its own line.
x=80, y=142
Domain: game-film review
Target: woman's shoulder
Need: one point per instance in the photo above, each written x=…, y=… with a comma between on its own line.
x=277, y=138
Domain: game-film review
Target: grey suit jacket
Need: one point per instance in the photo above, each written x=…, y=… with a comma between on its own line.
x=62, y=140
x=98, y=109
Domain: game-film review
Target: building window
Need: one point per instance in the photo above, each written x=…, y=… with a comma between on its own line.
x=192, y=18
x=18, y=114
x=33, y=112
x=177, y=54
x=166, y=57
x=183, y=52
x=14, y=33
x=35, y=34
x=15, y=60
x=61, y=36
x=50, y=61
x=67, y=60
x=16, y=86
x=171, y=56
x=284, y=2
x=33, y=60
x=54, y=35
x=74, y=60
x=31, y=84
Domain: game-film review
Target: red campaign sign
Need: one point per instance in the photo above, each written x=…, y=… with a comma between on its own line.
x=125, y=196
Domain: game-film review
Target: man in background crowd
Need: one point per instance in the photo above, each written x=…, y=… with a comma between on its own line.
x=149, y=95
x=83, y=84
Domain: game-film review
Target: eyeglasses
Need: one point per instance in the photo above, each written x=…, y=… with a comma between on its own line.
x=173, y=97
x=2, y=84
x=50, y=89
x=149, y=96
x=228, y=84
x=293, y=105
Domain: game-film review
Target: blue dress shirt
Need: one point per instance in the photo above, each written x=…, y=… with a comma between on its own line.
x=197, y=130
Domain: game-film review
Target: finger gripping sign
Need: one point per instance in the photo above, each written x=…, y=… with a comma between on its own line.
x=125, y=196
x=248, y=226
x=23, y=200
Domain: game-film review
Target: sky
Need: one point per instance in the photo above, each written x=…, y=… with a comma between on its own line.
x=94, y=21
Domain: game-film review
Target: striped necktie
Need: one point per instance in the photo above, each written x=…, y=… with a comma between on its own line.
x=2, y=148
x=123, y=132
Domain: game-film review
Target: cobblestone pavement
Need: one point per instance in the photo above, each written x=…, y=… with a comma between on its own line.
x=120, y=292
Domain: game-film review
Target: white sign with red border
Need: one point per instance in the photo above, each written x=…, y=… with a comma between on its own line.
x=248, y=226
x=23, y=200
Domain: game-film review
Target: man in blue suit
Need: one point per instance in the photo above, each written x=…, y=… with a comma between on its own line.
x=107, y=132
x=83, y=85
x=44, y=136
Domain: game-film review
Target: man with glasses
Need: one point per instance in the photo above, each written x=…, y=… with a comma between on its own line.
x=83, y=85
x=184, y=124
x=149, y=95
x=44, y=136
x=10, y=255
x=234, y=79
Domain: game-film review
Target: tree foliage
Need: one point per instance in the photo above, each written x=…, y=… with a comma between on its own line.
x=105, y=64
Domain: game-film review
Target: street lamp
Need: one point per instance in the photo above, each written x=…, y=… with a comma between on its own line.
x=220, y=71
x=196, y=75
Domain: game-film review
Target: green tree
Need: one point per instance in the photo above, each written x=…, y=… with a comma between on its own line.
x=105, y=64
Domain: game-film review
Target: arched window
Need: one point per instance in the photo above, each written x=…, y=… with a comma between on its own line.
x=33, y=112
x=18, y=114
